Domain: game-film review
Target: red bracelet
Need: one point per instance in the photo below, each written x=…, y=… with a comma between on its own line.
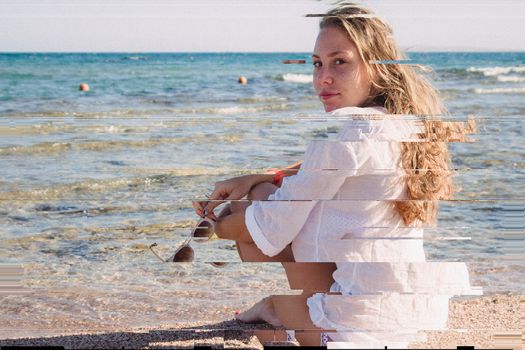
x=278, y=178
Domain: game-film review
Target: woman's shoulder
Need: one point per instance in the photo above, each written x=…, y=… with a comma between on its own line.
x=359, y=122
x=374, y=123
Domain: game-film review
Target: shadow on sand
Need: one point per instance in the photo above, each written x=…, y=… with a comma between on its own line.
x=229, y=333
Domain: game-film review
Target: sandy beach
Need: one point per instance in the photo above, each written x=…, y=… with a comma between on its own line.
x=491, y=321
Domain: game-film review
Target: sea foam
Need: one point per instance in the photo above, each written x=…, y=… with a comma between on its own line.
x=492, y=71
x=510, y=78
x=298, y=78
x=520, y=90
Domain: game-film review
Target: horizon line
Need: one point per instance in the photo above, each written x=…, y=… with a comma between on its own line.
x=251, y=52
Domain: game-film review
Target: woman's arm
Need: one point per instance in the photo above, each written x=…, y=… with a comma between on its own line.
x=238, y=187
x=290, y=169
x=230, y=189
x=294, y=168
x=279, y=174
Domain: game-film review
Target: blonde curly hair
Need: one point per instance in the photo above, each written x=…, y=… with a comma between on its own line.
x=403, y=90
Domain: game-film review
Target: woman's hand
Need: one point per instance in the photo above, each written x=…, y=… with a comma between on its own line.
x=231, y=189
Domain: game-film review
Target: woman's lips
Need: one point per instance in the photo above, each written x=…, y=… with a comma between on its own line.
x=327, y=96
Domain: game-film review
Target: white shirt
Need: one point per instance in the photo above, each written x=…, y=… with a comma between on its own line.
x=340, y=208
x=342, y=198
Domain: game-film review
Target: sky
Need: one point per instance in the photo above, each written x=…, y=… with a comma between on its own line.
x=247, y=25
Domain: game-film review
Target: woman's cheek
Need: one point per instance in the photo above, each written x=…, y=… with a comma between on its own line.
x=316, y=82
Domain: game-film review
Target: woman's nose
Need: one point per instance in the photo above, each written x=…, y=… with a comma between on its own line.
x=325, y=77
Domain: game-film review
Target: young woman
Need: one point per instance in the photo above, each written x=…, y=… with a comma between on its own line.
x=355, y=205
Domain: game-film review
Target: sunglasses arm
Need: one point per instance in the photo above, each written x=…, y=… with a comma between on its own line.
x=151, y=248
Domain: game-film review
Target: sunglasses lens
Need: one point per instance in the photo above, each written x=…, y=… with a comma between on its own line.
x=203, y=231
x=218, y=264
x=185, y=254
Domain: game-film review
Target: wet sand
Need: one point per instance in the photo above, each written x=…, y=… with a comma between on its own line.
x=474, y=321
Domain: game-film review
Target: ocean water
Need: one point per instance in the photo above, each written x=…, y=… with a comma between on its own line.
x=88, y=180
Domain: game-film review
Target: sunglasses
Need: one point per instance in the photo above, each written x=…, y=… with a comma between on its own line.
x=185, y=253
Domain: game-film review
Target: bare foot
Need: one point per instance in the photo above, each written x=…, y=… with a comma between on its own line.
x=262, y=311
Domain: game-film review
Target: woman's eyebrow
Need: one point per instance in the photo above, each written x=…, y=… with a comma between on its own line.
x=335, y=53
x=331, y=54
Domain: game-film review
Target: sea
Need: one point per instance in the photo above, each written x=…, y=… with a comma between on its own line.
x=90, y=179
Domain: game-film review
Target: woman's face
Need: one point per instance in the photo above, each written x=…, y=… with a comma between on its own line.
x=340, y=76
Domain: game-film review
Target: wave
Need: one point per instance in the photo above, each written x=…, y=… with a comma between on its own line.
x=235, y=110
x=47, y=129
x=520, y=90
x=53, y=148
x=231, y=110
x=135, y=58
x=91, y=186
x=270, y=104
x=494, y=71
x=249, y=100
x=510, y=78
x=297, y=78
x=100, y=233
x=37, y=129
x=116, y=113
x=454, y=72
x=63, y=190
x=165, y=119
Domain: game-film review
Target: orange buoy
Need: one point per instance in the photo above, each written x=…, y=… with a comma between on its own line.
x=242, y=80
x=83, y=87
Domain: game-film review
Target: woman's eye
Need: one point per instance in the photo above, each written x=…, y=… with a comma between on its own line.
x=338, y=62
x=317, y=64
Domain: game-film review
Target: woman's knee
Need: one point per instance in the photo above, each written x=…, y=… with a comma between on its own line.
x=238, y=206
x=261, y=191
x=310, y=276
x=258, y=192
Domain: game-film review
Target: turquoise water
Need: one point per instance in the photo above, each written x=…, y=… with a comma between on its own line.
x=89, y=179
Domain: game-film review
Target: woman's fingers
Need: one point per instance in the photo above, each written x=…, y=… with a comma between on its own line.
x=211, y=205
x=199, y=208
x=215, y=199
x=212, y=216
x=230, y=189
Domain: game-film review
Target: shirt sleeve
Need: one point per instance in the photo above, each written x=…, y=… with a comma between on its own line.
x=274, y=223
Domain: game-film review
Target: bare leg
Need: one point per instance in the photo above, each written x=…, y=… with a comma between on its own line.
x=293, y=311
x=249, y=252
x=314, y=277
